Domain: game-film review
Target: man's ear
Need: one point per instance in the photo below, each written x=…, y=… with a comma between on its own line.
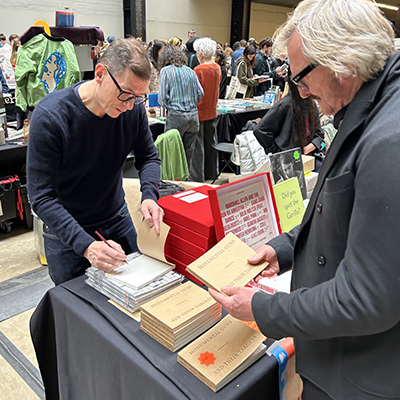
x=99, y=73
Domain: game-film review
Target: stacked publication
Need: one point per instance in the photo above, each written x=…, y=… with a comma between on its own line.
x=192, y=230
x=136, y=283
x=180, y=315
x=223, y=352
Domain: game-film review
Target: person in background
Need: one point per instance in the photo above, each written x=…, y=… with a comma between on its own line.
x=237, y=53
x=263, y=65
x=179, y=93
x=244, y=70
x=191, y=33
x=175, y=41
x=228, y=55
x=193, y=61
x=343, y=309
x=155, y=52
x=4, y=85
x=221, y=61
x=5, y=54
x=291, y=122
x=13, y=58
x=78, y=142
x=205, y=159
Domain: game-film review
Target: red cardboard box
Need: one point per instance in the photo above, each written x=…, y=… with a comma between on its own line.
x=179, y=254
x=187, y=246
x=190, y=209
x=181, y=268
x=189, y=235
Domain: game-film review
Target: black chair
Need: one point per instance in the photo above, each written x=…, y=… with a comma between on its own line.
x=225, y=150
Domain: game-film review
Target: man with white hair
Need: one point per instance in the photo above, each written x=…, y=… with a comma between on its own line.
x=343, y=310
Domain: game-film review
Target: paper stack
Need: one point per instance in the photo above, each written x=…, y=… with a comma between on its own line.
x=180, y=315
x=192, y=230
x=223, y=352
x=126, y=296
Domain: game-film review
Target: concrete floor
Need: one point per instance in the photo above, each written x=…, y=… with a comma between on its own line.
x=23, y=282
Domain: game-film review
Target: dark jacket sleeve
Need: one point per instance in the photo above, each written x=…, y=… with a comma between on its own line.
x=318, y=137
x=271, y=126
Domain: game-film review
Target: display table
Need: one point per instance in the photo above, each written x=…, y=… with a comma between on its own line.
x=87, y=349
x=12, y=157
x=229, y=125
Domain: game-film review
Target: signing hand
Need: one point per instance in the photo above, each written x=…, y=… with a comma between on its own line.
x=152, y=213
x=267, y=253
x=104, y=257
x=237, y=301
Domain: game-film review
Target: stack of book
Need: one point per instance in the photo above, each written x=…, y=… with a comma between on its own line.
x=134, y=283
x=223, y=352
x=192, y=230
x=177, y=317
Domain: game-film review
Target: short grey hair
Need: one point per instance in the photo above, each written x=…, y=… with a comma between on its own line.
x=350, y=37
x=127, y=53
x=206, y=47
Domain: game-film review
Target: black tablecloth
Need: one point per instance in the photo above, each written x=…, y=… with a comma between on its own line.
x=87, y=349
x=12, y=158
x=229, y=125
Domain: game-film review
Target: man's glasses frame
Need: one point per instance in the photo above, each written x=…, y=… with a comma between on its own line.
x=297, y=78
x=122, y=94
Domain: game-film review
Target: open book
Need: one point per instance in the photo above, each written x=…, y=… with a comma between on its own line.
x=145, y=267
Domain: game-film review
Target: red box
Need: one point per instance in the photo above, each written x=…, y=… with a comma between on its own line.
x=187, y=246
x=179, y=254
x=189, y=235
x=190, y=209
x=181, y=268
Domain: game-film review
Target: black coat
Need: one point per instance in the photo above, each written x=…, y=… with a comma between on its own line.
x=344, y=307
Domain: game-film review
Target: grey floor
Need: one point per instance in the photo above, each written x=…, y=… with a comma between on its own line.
x=23, y=282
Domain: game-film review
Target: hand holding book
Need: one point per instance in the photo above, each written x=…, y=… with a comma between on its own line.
x=236, y=301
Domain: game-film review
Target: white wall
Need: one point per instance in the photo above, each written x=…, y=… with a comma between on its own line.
x=264, y=19
x=166, y=19
x=17, y=16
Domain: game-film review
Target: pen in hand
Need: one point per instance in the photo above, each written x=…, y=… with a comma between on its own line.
x=105, y=241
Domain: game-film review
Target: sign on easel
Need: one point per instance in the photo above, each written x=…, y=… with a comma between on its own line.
x=246, y=208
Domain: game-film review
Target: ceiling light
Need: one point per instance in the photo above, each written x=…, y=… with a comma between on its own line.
x=394, y=8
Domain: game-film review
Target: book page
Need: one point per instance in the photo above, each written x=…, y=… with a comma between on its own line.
x=152, y=244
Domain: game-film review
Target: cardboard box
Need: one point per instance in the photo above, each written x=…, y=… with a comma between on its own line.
x=186, y=245
x=205, y=242
x=308, y=163
x=179, y=254
x=190, y=209
x=181, y=268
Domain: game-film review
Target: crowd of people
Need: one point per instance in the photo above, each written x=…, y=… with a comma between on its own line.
x=191, y=99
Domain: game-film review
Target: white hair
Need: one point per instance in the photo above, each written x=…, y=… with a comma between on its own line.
x=206, y=47
x=350, y=37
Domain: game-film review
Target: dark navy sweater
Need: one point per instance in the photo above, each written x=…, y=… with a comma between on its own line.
x=75, y=163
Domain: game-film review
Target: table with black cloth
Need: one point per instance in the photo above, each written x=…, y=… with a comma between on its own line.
x=12, y=157
x=230, y=124
x=88, y=349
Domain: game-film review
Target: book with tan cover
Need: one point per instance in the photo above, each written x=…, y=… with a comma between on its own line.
x=226, y=264
x=179, y=315
x=223, y=352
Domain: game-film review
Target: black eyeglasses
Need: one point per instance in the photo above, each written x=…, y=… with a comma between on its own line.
x=296, y=79
x=126, y=96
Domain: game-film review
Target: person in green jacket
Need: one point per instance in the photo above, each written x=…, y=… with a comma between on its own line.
x=244, y=70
